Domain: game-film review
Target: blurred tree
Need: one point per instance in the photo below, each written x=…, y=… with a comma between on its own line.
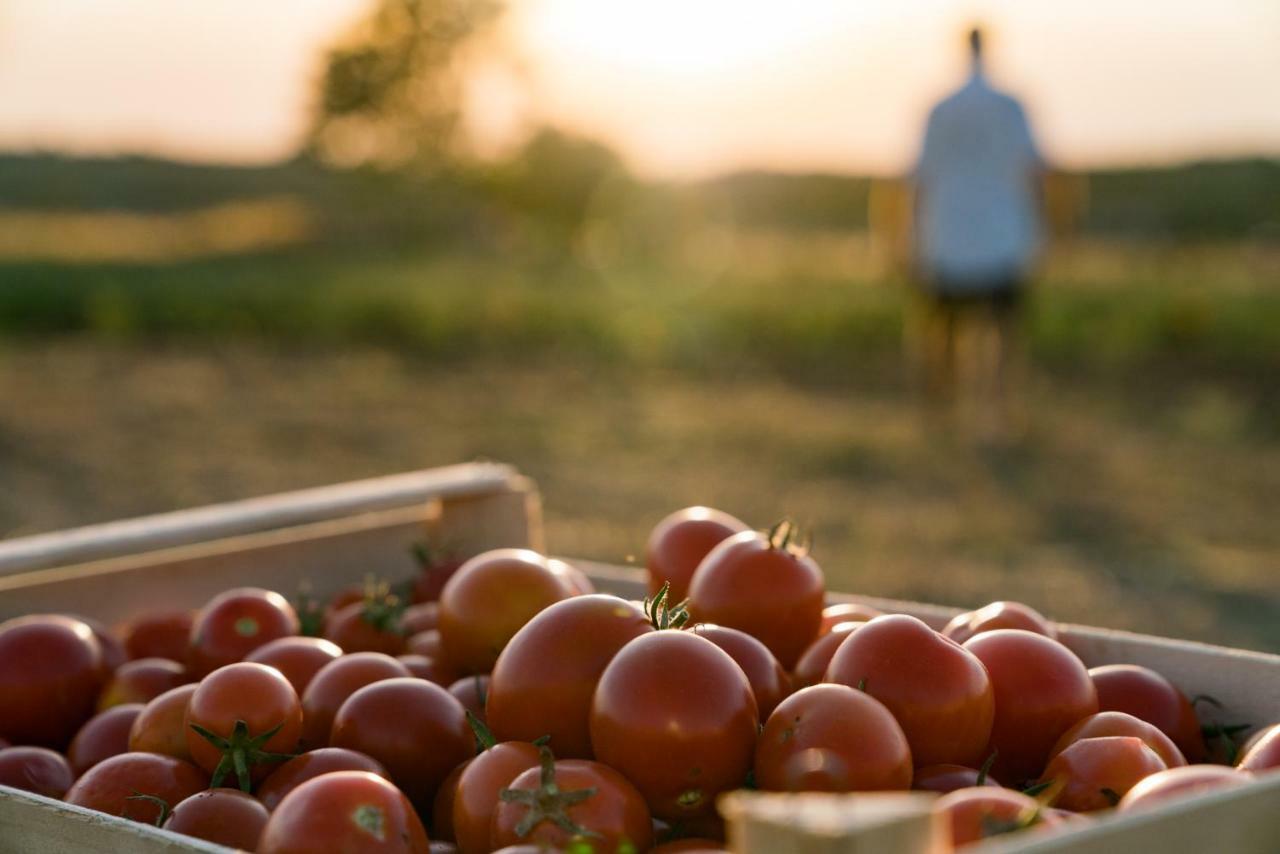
x=391, y=91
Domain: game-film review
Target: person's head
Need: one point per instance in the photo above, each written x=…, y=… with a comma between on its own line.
x=975, y=43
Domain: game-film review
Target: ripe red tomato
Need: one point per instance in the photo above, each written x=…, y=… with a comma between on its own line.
x=675, y=715
x=430, y=669
x=442, y=809
x=679, y=542
x=1118, y=723
x=421, y=617
x=1096, y=772
x=846, y=612
x=1263, y=751
x=334, y=683
x=572, y=577
x=344, y=811
x=437, y=568
x=769, y=682
x=113, y=652
x=141, y=681
x=813, y=663
x=476, y=797
x=1183, y=782
x=764, y=585
x=221, y=816
x=426, y=644
x=552, y=798
x=161, y=726
x=949, y=778
x=937, y=691
x=416, y=729
x=50, y=673
x=1041, y=689
x=471, y=692
x=998, y=615
x=980, y=813
x=160, y=634
x=832, y=738
x=487, y=601
x=131, y=784
x=36, y=769
x=306, y=766
x=1148, y=696
x=370, y=625
x=104, y=735
x=544, y=680
x=235, y=623
x=299, y=659
x=243, y=719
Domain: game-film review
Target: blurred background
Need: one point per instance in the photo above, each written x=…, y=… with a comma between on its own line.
x=649, y=252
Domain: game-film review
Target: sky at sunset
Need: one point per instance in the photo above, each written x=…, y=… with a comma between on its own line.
x=681, y=87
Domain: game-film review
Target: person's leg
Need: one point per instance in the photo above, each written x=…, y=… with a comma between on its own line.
x=1007, y=360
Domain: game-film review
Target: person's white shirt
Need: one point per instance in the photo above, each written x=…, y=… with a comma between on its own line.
x=977, y=208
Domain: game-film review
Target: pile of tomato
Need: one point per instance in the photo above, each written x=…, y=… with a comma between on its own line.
x=502, y=704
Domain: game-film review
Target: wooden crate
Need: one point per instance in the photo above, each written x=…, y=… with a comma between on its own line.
x=333, y=536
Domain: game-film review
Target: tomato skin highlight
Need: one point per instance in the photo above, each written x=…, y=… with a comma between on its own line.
x=1148, y=696
x=221, y=816
x=998, y=615
x=104, y=735
x=253, y=694
x=1096, y=772
x=161, y=726
x=479, y=785
x=1263, y=752
x=676, y=716
x=1118, y=723
x=680, y=541
x=832, y=738
x=846, y=612
x=344, y=811
x=1184, y=782
x=109, y=786
x=235, y=623
x=334, y=683
x=50, y=672
x=938, y=691
x=36, y=769
x=298, y=659
x=769, y=682
x=544, y=681
x=774, y=594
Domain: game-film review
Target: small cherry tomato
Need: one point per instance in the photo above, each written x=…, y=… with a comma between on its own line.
x=832, y=738
x=674, y=714
x=50, y=673
x=1119, y=723
x=161, y=726
x=235, y=623
x=1183, y=782
x=846, y=612
x=437, y=567
x=416, y=729
x=242, y=720
x=306, y=766
x=113, y=651
x=442, y=808
x=344, y=811
x=1041, y=689
x=164, y=634
x=560, y=801
x=764, y=585
x=937, y=690
x=543, y=682
x=421, y=617
x=334, y=683
x=769, y=682
x=948, y=778
x=679, y=542
x=471, y=692
x=135, y=785
x=369, y=625
x=141, y=681
x=221, y=816
x=36, y=769
x=104, y=735
x=813, y=663
x=998, y=615
x=1148, y=696
x=426, y=644
x=299, y=659
x=572, y=577
x=476, y=797
x=430, y=669
x=1095, y=773
x=1263, y=751
x=975, y=814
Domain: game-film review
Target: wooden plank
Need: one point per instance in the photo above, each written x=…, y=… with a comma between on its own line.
x=864, y=823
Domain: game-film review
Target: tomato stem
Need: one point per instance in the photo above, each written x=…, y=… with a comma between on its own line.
x=484, y=736
x=662, y=614
x=165, y=809
x=986, y=767
x=548, y=802
x=240, y=752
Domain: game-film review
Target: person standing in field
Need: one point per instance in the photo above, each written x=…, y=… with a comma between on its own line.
x=977, y=233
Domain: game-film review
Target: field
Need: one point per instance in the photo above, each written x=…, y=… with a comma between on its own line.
x=754, y=369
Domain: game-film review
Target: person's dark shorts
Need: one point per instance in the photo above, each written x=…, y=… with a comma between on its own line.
x=999, y=296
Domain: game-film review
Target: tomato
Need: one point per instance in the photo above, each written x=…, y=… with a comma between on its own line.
x=998, y=615
x=242, y=718
x=36, y=769
x=764, y=585
x=426, y=644
x=544, y=680
x=572, y=793
x=50, y=673
x=421, y=617
x=1183, y=782
x=1096, y=772
x=938, y=691
x=1041, y=690
x=370, y=625
x=141, y=681
x=487, y=601
x=442, y=808
x=306, y=766
x=299, y=659
x=471, y=692
x=477, y=795
x=832, y=738
x=129, y=786
x=437, y=568
x=690, y=846
x=675, y=715
x=1118, y=723
x=105, y=734
x=430, y=669
x=679, y=542
x=161, y=726
x=813, y=663
x=334, y=683
x=947, y=778
x=572, y=577
x=1147, y=695
x=344, y=811
x=846, y=612
x=113, y=652
x=162, y=634
x=975, y=814
x=1262, y=752
x=221, y=816
x=234, y=624
x=415, y=728
x=769, y=682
